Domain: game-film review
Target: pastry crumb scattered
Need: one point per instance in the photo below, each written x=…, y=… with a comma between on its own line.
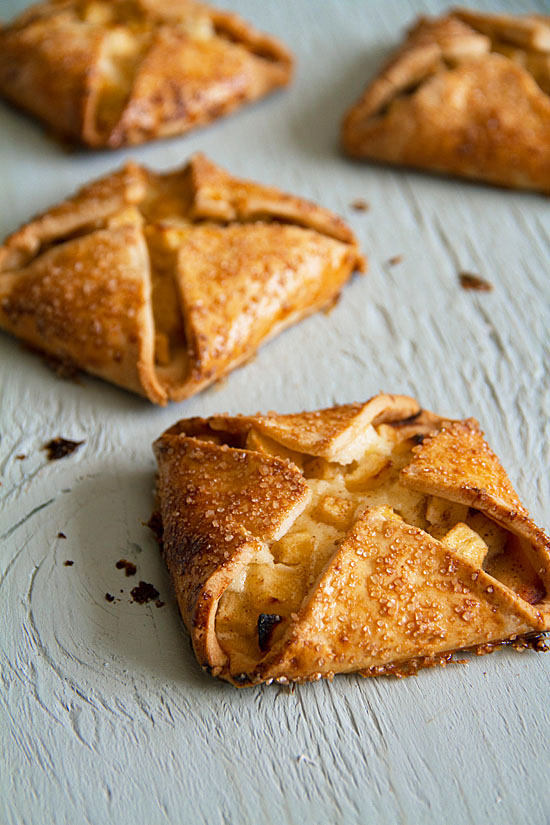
x=470, y=281
x=144, y=593
x=360, y=205
x=60, y=448
x=61, y=536
x=128, y=566
x=395, y=259
x=68, y=563
x=109, y=597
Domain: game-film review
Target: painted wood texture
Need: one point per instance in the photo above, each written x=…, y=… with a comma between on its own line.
x=106, y=718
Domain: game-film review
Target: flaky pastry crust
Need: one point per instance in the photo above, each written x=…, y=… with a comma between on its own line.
x=163, y=283
x=118, y=72
x=371, y=537
x=467, y=94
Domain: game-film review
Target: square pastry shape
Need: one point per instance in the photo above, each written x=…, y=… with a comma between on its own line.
x=371, y=537
x=467, y=94
x=118, y=72
x=162, y=283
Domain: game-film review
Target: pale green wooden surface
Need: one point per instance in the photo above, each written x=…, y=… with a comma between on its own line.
x=106, y=718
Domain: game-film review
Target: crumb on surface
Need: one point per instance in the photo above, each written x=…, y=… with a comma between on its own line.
x=395, y=259
x=360, y=205
x=61, y=535
x=109, y=597
x=470, y=281
x=128, y=566
x=144, y=593
x=60, y=448
x=68, y=563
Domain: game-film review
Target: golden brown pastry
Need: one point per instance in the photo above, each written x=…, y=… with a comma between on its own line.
x=370, y=537
x=467, y=94
x=118, y=72
x=162, y=283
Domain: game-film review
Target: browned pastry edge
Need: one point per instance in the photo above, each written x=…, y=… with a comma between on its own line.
x=202, y=562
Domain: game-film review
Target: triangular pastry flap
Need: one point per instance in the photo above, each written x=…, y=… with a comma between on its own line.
x=242, y=283
x=217, y=286
x=213, y=76
x=419, y=58
x=457, y=459
x=485, y=579
x=257, y=492
x=219, y=195
x=218, y=506
x=88, y=209
x=456, y=463
x=118, y=72
x=89, y=298
x=466, y=94
x=335, y=433
x=531, y=31
x=390, y=594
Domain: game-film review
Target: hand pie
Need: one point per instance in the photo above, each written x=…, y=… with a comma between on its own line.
x=118, y=72
x=370, y=537
x=163, y=283
x=467, y=94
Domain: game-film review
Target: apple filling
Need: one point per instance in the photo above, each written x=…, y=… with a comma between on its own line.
x=254, y=610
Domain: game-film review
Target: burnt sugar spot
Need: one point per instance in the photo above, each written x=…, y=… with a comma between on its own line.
x=267, y=622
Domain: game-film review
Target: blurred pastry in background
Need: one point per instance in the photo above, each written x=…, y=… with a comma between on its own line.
x=467, y=94
x=109, y=73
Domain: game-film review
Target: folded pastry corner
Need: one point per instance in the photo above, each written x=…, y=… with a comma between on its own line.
x=467, y=94
x=375, y=538
x=163, y=283
x=118, y=72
